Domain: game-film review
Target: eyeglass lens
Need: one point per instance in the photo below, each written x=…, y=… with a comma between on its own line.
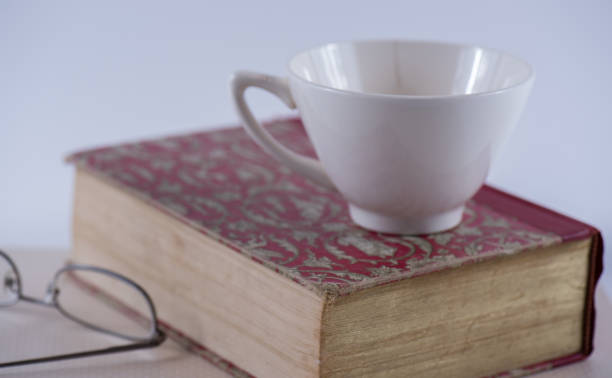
x=105, y=302
x=9, y=284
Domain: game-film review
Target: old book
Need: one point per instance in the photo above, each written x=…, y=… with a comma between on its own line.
x=250, y=263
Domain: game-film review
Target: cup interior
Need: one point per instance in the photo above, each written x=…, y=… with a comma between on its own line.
x=409, y=68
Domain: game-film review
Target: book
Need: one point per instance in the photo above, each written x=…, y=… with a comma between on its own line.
x=262, y=272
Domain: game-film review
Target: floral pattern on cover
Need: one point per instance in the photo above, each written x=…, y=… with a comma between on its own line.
x=223, y=184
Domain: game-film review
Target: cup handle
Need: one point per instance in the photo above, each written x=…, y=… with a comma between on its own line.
x=239, y=82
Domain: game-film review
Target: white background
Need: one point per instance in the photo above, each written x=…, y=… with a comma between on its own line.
x=79, y=74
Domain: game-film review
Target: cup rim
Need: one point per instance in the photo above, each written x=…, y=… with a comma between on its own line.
x=529, y=78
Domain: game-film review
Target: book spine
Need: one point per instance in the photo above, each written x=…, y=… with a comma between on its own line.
x=568, y=229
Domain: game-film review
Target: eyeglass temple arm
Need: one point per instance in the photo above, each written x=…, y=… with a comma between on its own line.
x=159, y=338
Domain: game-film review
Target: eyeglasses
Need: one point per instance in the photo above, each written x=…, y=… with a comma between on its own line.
x=75, y=291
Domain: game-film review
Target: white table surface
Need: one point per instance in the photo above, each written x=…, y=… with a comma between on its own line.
x=33, y=328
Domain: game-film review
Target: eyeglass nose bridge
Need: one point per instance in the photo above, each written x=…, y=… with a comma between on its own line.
x=51, y=293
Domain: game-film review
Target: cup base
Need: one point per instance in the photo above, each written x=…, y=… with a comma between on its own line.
x=409, y=226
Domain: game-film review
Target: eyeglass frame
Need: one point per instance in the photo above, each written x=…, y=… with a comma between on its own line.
x=157, y=336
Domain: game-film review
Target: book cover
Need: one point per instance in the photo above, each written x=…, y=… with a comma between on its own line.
x=223, y=185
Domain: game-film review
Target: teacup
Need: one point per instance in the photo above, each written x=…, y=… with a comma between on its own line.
x=404, y=130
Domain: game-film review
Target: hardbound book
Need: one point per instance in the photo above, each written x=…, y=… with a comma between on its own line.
x=262, y=272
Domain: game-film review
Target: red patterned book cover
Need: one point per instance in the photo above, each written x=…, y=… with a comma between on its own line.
x=223, y=185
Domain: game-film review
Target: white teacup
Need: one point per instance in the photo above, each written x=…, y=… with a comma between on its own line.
x=405, y=130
